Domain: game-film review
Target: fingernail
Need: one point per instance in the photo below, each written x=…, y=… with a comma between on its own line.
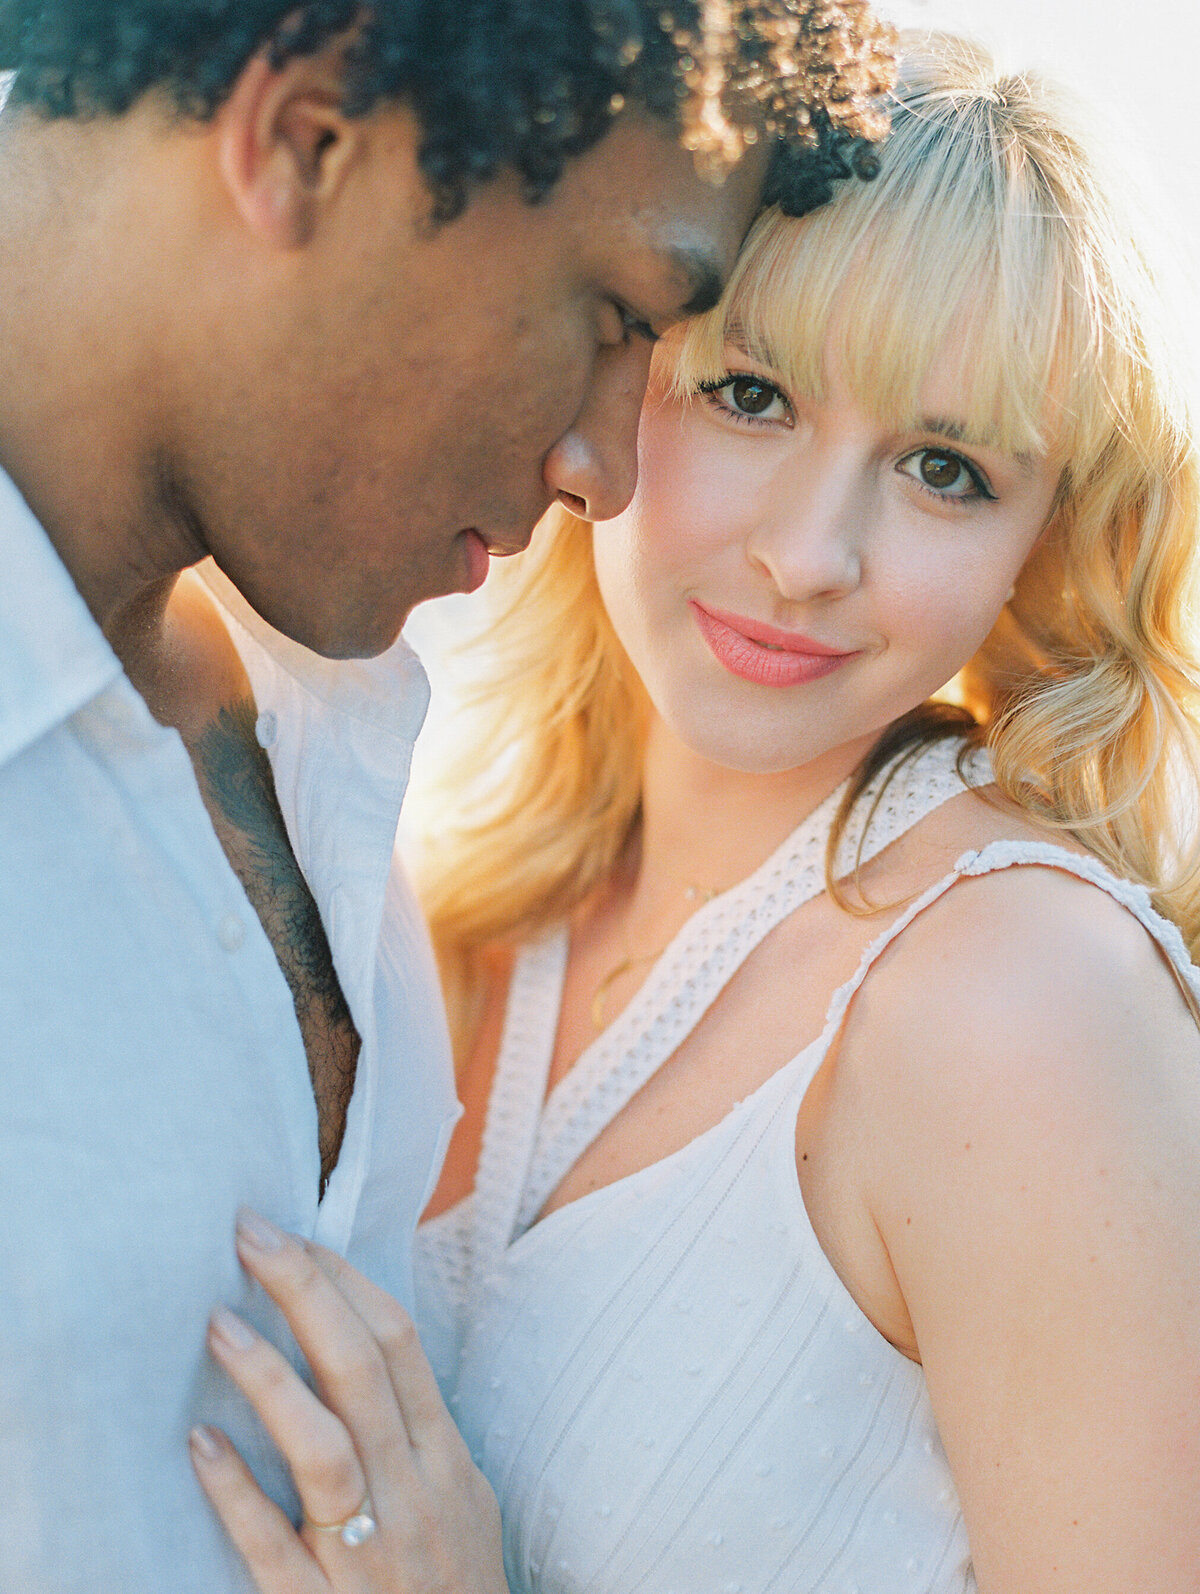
x=207, y=1443
x=255, y=1231
x=231, y=1329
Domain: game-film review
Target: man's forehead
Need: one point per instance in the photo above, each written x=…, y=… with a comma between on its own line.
x=642, y=159
x=657, y=209
x=702, y=274
x=695, y=273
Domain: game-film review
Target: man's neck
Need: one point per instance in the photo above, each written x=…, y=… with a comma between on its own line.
x=83, y=400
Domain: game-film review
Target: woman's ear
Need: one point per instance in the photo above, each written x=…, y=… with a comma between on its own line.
x=284, y=144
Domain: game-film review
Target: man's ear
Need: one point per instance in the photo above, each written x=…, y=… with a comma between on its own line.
x=284, y=144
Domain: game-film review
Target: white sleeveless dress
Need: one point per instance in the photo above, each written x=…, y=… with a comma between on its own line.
x=665, y=1381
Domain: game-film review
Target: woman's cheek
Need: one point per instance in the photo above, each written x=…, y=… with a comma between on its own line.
x=939, y=614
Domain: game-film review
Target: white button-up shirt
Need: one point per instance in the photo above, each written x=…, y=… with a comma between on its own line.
x=154, y=1076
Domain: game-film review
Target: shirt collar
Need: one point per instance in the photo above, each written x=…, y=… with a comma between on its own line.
x=339, y=735
x=53, y=656
x=389, y=693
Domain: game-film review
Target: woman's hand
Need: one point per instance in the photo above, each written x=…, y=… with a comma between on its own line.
x=379, y=1441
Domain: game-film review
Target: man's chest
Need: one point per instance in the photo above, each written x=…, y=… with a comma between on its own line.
x=237, y=786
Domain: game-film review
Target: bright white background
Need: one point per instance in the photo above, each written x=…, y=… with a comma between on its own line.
x=1136, y=61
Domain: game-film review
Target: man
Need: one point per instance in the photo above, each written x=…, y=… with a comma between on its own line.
x=339, y=298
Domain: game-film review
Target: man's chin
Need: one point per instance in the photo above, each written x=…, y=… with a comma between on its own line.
x=352, y=644
x=335, y=637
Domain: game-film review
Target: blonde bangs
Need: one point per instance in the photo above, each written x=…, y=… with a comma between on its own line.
x=962, y=250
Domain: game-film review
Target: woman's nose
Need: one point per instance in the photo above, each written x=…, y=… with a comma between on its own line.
x=809, y=536
x=592, y=468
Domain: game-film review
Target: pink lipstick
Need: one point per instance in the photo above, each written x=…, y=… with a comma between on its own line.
x=763, y=653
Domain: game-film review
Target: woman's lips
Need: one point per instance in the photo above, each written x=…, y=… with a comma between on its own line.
x=763, y=653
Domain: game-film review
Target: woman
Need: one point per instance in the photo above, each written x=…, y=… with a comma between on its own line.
x=826, y=1209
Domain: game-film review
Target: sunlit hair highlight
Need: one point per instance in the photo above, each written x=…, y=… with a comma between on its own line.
x=984, y=231
x=988, y=230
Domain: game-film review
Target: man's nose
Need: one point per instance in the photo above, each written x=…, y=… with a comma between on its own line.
x=592, y=469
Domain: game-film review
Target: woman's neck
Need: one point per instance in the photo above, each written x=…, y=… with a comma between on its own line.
x=705, y=827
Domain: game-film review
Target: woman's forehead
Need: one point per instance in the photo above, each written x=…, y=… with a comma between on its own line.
x=903, y=357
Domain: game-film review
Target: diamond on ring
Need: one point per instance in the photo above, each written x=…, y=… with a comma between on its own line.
x=353, y=1530
x=358, y=1530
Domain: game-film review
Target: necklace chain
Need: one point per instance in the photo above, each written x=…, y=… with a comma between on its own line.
x=700, y=895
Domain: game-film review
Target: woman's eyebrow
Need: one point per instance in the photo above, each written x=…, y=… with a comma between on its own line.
x=737, y=337
x=956, y=432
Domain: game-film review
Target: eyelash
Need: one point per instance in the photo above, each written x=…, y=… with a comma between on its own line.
x=982, y=486
x=710, y=390
x=634, y=325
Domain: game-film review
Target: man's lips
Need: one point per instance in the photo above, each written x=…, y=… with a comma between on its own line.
x=477, y=558
x=478, y=551
x=765, y=654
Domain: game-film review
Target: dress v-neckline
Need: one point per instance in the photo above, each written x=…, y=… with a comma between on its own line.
x=532, y=1135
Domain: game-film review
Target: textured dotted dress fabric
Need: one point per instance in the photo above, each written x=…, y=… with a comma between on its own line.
x=665, y=1381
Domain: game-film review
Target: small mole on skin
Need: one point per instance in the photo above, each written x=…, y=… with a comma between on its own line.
x=967, y=1147
x=908, y=1220
x=804, y=1157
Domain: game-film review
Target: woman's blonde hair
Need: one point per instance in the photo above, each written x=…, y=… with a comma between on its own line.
x=990, y=231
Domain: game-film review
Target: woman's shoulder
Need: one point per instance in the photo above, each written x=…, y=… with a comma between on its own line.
x=1021, y=941
x=981, y=834
x=1014, y=1030
x=1023, y=1018
x=981, y=815
x=1025, y=917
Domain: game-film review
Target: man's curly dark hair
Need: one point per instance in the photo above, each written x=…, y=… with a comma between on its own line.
x=522, y=84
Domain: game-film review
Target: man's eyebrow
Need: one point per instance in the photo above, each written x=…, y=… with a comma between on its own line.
x=702, y=274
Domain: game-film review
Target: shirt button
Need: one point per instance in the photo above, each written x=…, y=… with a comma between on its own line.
x=266, y=728
x=231, y=933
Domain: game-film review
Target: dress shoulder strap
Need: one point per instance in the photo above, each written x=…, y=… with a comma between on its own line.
x=999, y=855
x=518, y=1089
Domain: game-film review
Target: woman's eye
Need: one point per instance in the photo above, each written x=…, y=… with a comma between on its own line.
x=748, y=398
x=946, y=474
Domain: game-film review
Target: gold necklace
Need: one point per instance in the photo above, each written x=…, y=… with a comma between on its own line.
x=693, y=893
